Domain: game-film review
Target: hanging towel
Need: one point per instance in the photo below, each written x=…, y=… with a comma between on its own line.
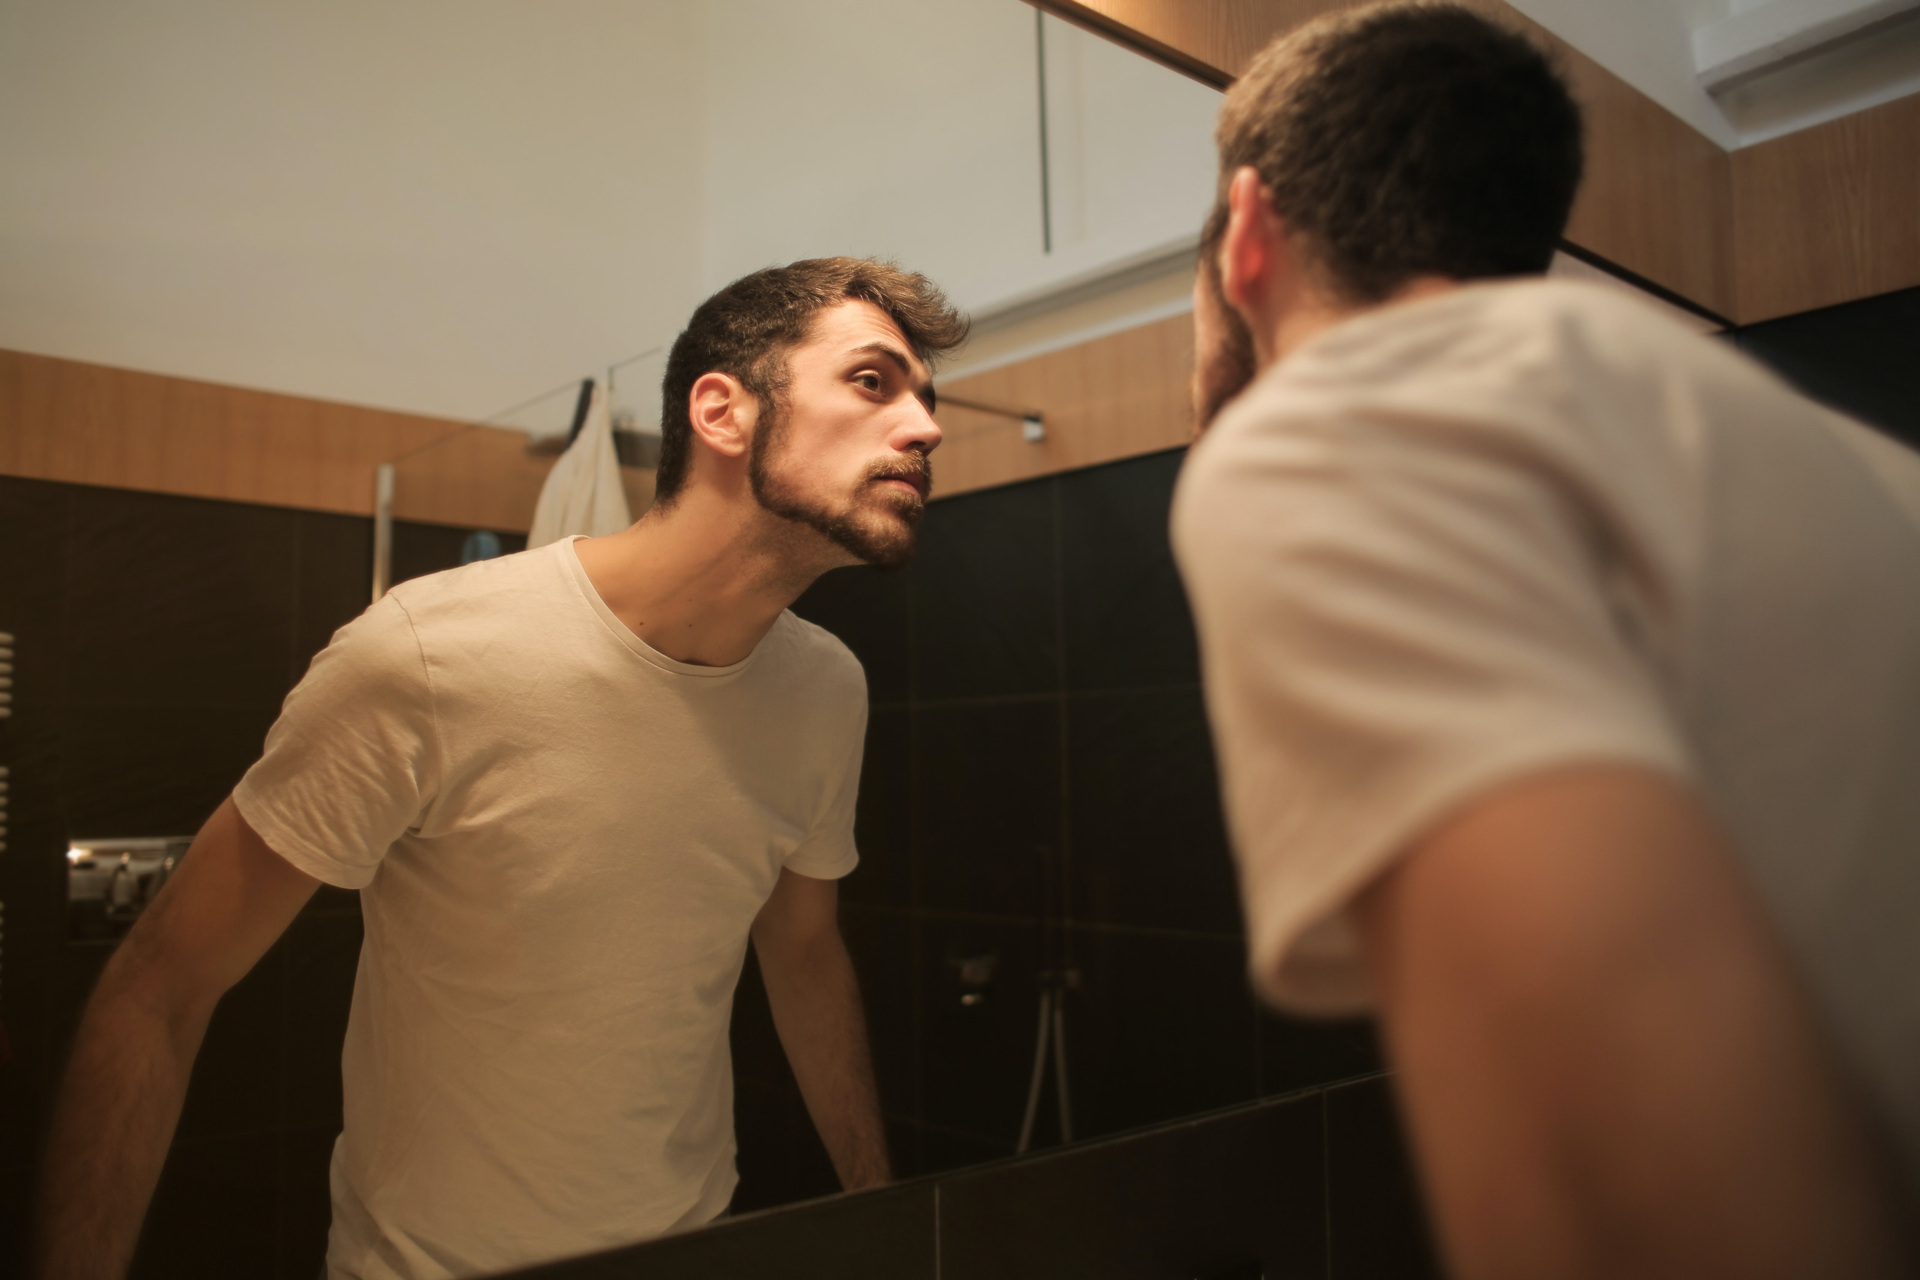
x=582, y=493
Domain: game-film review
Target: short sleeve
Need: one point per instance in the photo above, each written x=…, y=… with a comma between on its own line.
x=1396, y=615
x=348, y=766
x=829, y=852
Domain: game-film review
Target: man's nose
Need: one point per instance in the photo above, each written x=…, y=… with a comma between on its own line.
x=920, y=431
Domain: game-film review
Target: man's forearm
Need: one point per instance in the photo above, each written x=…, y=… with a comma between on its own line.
x=1607, y=1065
x=112, y=1124
x=816, y=1008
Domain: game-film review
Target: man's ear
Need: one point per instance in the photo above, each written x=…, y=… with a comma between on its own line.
x=1255, y=258
x=723, y=413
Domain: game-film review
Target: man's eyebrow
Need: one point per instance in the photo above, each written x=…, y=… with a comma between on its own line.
x=899, y=358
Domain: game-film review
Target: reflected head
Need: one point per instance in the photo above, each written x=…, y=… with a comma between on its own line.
x=1406, y=140
x=748, y=330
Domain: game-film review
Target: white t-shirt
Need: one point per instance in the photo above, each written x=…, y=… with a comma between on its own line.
x=1520, y=525
x=561, y=837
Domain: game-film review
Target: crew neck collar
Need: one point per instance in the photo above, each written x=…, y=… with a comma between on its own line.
x=564, y=548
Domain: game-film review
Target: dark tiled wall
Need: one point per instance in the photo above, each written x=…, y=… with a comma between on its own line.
x=155, y=639
x=1311, y=1187
x=1859, y=358
x=1039, y=787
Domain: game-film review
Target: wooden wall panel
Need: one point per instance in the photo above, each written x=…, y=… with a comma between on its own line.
x=484, y=478
x=1210, y=40
x=481, y=477
x=1656, y=196
x=89, y=424
x=1829, y=214
x=1113, y=397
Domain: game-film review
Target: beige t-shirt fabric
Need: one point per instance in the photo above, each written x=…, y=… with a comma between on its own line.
x=1528, y=524
x=561, y=837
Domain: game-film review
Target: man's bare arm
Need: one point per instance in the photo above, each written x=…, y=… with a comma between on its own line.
x=127, y=1076
x=816, y=1008
x=1607, y=1064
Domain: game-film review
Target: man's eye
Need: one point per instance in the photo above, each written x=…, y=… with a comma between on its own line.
x=871, y=381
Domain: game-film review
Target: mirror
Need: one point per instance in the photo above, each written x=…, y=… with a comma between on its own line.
x=520, y=202
x=1043, y=921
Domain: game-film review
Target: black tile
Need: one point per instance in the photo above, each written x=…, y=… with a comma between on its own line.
x=781, y=1159
x=876, y=1235
x=79, y=970
x=178, y=602
x=238, y=1076
x=983, y=587
x=1149, y=840
x=866, y=608
x=213, y=1214
x=331, y=900
x=322, y=953
x=1857, y=357
x=1299, y=1053
x=903, y=1147
x=1160, y=1027
x=25, y=1092
x=420, y=549
x=305, y=1202
x=942, y=1151
x=1195, y=1200
x=334, y=582
x=33, y=869
x=987, y=807
x=1375, y=1222
x=976, y=1057
x=155, y=771
x=883, y=824
x=885, y=956
x=16, y=1201
x=34, y=522
x=1127, y=621
x=33, y=934
x=758, y=1059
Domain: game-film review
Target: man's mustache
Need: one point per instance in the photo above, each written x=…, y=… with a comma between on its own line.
x=915, y=469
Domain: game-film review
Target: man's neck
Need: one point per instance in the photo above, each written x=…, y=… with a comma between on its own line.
x=699, y=582
x=1313, y=312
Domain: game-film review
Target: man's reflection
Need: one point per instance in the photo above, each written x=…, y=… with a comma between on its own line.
x=570, y=784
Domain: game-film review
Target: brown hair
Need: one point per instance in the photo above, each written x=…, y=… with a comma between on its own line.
x=1406, y=139
x=748, y=328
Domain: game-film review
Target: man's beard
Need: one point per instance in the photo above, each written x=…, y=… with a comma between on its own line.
x=1224, y=370
x=882, y=538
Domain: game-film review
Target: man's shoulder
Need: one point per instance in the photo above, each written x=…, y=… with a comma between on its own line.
x=488, y=594
x=1540, y=360
x=816, y=655
x=1510, y=332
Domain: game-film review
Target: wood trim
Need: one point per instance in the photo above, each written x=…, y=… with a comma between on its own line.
x=1815, y=218
x=91, y=424
x=1656, y=199
x=482, y=477
x=1210, y=40
x=1829, y=214
x=1113, y=397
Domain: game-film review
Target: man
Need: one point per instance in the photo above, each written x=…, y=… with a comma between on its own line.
x=569, y=784
x=1565, y=671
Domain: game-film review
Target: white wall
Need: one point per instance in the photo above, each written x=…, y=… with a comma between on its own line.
x=441, y=205
x=450, y=206
x=912, y=130
x=1649, y=44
